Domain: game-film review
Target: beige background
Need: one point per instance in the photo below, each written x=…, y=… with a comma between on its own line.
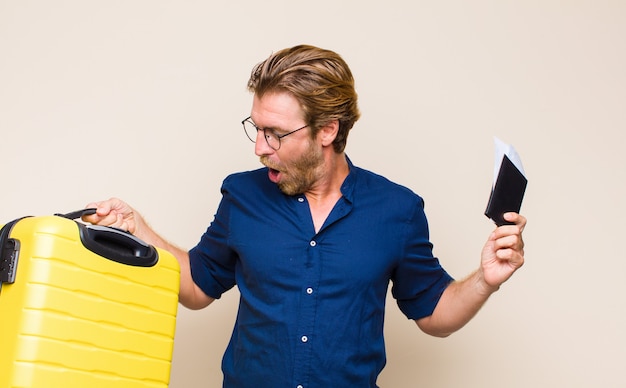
x=143, y=99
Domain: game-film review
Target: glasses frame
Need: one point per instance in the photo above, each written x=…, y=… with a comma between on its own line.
x=265, y=131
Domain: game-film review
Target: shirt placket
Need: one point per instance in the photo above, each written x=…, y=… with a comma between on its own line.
x=307, y=311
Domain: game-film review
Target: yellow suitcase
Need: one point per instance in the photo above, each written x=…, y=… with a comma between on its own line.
x=84, y=306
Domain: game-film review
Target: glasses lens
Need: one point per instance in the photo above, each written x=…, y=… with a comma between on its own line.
x=250, y=130
x=272, y=140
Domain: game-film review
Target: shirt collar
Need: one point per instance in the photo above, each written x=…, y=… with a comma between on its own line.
x=347, y=187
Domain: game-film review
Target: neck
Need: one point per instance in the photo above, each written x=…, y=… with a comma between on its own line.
x=335, y=169
x=327, y=191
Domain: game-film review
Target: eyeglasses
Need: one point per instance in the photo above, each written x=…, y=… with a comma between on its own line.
x=271, y=137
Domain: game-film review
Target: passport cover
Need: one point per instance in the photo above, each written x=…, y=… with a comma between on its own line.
x=507, y=193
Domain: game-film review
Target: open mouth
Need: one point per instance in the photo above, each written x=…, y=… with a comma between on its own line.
x=273, y=174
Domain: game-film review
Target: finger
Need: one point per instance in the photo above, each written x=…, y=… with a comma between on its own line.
x=513, y=241
x=515, y=229
x=511, y=256
x=103, y=215
x=508, y=245
x=503, y=248
x=506, y=233
x=91, y=218
x=104, y=208
x=107, y=220
x=516, y=218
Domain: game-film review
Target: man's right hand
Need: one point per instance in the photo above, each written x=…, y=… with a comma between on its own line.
x=116, y=213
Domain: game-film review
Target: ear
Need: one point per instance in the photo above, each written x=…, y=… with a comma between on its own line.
x=328, y=133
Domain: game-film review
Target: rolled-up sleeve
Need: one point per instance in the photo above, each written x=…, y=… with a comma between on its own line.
x=419, y=279
x=212, y=261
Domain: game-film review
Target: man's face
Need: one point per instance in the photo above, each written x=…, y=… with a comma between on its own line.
x=295, y=167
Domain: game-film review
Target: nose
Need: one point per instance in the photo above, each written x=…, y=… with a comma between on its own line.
x=260, y=146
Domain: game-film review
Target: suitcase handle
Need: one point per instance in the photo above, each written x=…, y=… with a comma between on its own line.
x=78, y=213
x=113, y=243
x=118, y=245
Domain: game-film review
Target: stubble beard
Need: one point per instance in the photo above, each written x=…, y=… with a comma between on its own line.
x=302, y=174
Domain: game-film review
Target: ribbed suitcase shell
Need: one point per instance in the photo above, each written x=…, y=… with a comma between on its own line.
x=73, y=318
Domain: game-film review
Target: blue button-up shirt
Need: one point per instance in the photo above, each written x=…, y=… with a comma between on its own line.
x=312, y=304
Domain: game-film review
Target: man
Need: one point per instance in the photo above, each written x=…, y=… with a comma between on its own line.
x=312, y=241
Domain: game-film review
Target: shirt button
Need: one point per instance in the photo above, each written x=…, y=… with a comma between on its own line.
x=309, y=290
x=300, y=200
x=304, y=338
x=299, y=386
x=313, y=243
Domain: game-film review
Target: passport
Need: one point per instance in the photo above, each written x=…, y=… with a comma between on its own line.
x=507, y=192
